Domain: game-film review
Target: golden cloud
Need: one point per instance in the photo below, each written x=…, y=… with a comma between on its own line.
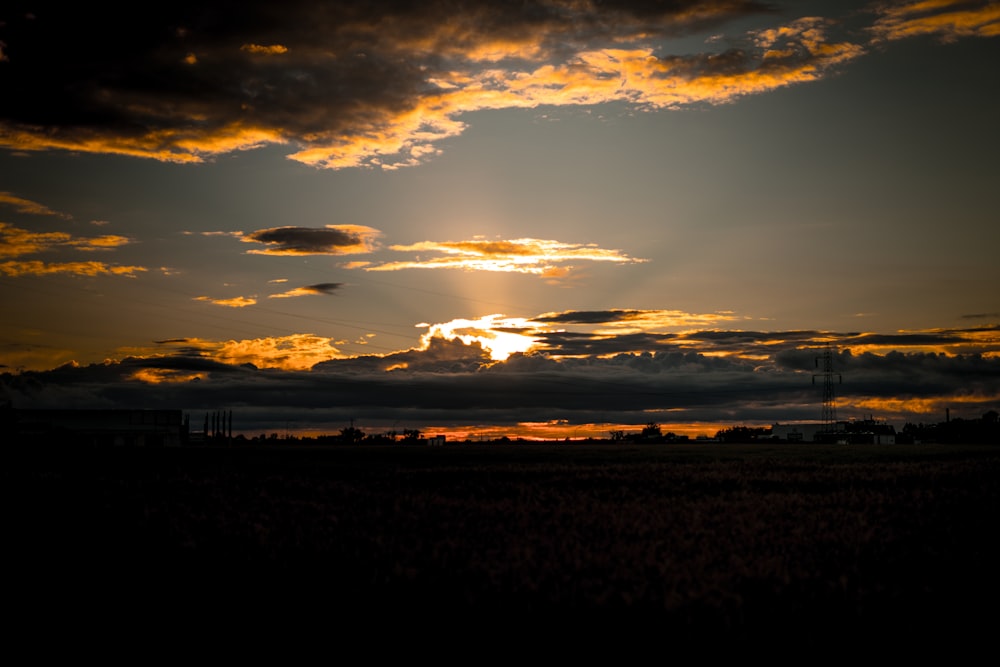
x=166, y=375
x=793, y=54
x=187, y=143
x=39, y=268
x=403, y=81
x=234, y=302
x=294, y=352
x=266, y=50
x=948, y=19
x=27, y=206
x=527, y=255
x=15, y=241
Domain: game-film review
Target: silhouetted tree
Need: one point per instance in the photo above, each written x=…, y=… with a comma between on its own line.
x=651, y=430
x=352, y=435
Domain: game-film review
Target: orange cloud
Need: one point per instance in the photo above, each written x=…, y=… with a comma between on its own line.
x=793, y=54
x=934, y=405
x=15, y=241
x=267, y=50
x=629, y=321
x=27, y=206
x=948, y=19
x=532, y=256
x=184, y=144
x=166, y=375
x=39, y=268
x=294, y=352
x=235, y=302
x=388, y=86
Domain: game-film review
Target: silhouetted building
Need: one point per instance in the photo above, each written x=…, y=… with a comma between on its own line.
x=865, y=431
x=137, y=428
x=796, y=432
x=870, y=431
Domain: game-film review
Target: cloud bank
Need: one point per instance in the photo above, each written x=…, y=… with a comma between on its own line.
x=583, y=379
x=382, y=84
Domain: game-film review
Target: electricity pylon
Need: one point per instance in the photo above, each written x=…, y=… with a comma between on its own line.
x=829, y=398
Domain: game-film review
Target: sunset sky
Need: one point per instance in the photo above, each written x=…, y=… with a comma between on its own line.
x=548, y=219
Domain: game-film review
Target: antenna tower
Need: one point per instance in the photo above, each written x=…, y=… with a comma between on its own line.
x=829, y=399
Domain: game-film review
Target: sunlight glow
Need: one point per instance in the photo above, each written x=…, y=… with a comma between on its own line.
x=486, y=332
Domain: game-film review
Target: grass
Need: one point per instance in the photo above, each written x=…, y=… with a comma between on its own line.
x=702, y=541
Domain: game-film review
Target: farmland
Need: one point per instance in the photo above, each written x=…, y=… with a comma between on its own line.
x=703, y=540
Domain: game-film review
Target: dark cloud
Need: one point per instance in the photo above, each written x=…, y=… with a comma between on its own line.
x=590, y=316
x=323, y=288
x=450, y=382
x=338, y=80
x=308, y=290
x=575, y=344
x=329, y=240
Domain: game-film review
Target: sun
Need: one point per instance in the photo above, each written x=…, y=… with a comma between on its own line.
x=494, y=333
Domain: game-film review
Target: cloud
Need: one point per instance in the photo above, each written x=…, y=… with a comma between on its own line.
x=27, y=206
x=18, y=242
x=15, y=241
x=948, y=20
x=637, y=319
x=39, y=268
x=294, y=352
x=236, y=234
x=308, y=290
x=328, y=240
x=266, y=50
x=448, y=380
x=499, y=335
x=377, y=85
x=532, y=256
x=234, y=302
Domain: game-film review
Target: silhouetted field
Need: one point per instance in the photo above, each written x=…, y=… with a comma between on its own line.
x=705, y=541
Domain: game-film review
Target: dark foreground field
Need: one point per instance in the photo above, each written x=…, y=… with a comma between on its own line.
x=693, y=542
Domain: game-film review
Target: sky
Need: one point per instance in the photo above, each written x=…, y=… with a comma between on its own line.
x=542, y=219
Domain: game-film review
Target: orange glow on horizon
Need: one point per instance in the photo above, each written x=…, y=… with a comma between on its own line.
x=562, y=431
x=166, y=375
